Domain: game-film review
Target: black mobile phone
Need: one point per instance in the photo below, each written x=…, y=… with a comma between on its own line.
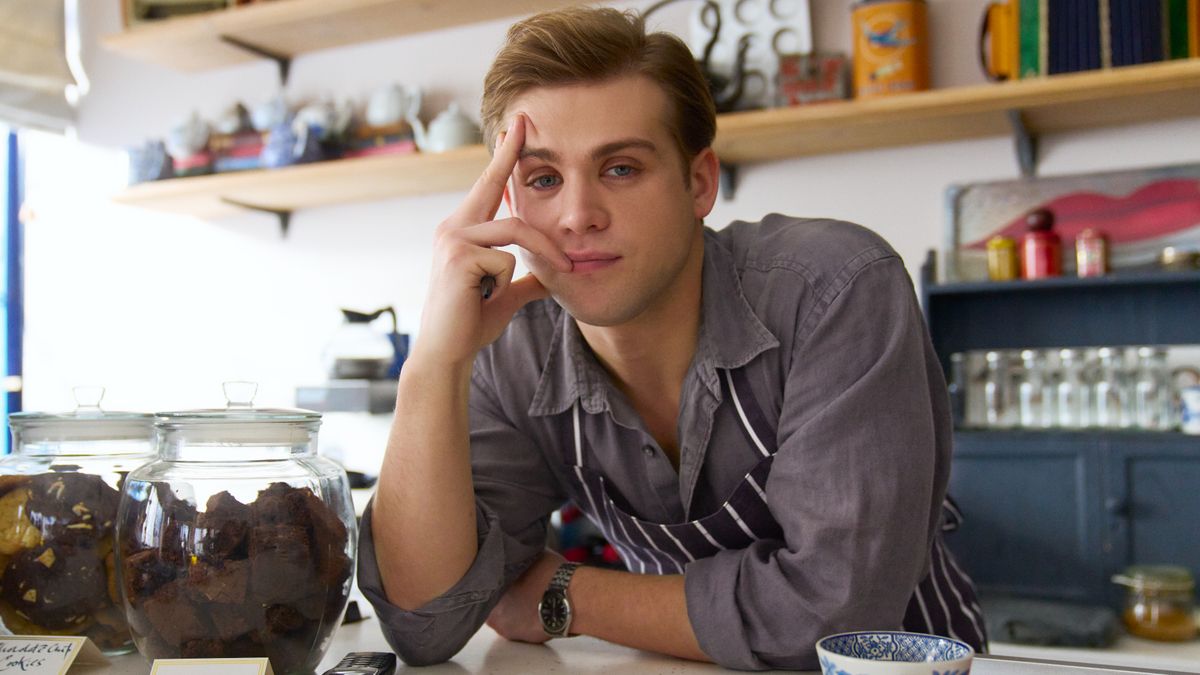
x=365, y=663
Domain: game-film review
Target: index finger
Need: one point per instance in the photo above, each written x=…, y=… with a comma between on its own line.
x=485, y=196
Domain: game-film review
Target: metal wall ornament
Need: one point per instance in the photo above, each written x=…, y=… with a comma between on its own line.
x=739, y=44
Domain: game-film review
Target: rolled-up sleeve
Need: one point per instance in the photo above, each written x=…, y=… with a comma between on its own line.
x=856, y=484
x=515, y=491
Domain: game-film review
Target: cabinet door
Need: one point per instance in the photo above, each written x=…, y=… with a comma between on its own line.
x=1030, y=502
x=1153, y=501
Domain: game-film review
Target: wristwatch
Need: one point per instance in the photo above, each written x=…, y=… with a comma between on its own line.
x=555, y=609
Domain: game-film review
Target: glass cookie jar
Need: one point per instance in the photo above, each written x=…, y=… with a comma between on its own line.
x=59, y=493
x=238, y=540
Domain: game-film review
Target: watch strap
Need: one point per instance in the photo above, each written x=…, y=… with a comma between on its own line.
x=562, y=576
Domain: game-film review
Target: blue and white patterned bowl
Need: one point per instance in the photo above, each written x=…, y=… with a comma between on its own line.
x=893, y=653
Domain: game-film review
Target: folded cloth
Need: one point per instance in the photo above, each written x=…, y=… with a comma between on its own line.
x=1043, y=622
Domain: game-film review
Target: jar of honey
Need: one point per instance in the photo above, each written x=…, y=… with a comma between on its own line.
x=1159, y=602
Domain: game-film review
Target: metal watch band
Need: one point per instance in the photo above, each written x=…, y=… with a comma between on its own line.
x=562, y=576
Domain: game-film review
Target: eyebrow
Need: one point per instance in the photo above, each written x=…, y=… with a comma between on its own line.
x=548, y=155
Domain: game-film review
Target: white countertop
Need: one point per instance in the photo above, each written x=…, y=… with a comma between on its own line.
x=488, y=653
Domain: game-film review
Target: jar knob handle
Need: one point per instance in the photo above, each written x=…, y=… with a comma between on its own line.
x=88, y=397
x=240, y=394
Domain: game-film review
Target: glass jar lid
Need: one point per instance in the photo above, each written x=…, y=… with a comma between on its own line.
x=240, y=422
x=88, y=422
x=1156, y=578
x=239, y=398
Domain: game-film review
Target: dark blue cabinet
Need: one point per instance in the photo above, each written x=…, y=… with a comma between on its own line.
x=1032, y=526
x=1154, y=503
x=1053, y=514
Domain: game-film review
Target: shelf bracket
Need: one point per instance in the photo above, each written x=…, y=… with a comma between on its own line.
x=729, y=180
x=282, y=60
x=1026, y=144
x=284, y=215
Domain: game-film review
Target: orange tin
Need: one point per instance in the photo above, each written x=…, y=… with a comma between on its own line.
x=891, y=47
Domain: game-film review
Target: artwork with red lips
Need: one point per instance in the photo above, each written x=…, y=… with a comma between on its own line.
x=1140, y=211
x=1155, y=211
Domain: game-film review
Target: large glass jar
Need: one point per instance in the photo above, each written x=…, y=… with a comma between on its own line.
x=238, y=540
x=59, y=492
x=1159, y=602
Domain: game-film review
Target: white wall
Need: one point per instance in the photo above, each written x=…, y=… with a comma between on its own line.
x=162, y=308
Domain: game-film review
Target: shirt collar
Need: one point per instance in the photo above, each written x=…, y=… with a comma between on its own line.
x=730, y=336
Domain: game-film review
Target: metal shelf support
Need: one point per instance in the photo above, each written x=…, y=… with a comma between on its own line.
x=282, y=60
x=1026, y=144
x=284, y=215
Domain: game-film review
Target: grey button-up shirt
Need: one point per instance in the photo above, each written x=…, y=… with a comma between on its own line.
x=822, y=317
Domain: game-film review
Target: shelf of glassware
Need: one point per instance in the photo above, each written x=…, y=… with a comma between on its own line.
x=1125, y=308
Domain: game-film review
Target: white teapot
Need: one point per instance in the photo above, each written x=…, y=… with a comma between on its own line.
x=188, y=137
x=450, y=129
x=392, y=104
x=269, y=114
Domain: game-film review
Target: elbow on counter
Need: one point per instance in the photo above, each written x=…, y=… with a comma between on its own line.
x=419, y=649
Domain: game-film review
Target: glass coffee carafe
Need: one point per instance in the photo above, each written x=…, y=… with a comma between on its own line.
x=238, y=540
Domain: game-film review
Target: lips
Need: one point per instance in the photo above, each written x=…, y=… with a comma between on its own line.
x=591, y=261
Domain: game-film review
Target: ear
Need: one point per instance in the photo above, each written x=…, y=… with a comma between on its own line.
x=705, y=175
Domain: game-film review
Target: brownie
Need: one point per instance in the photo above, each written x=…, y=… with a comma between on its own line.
x=57, y=586
x=178, y=518
x=204, y=649
x=277, y=506
x=222, y=583
x=263, y=578
x=144, y=573
x=233, y=622
x=281, y=568
x=282, y=619
x=174, y=618
x=328, y=539
x=72, y=506
x=225, y=525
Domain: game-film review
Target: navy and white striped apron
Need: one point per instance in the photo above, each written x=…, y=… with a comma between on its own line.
x=944, y=603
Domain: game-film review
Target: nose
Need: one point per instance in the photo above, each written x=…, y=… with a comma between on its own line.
x=583, y=208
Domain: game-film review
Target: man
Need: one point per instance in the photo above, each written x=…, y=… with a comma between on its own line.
x=754, y=416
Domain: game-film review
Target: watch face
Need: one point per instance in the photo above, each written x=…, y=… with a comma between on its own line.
x=555, y=612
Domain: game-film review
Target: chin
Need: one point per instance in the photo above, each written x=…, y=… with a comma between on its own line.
x=592, y=313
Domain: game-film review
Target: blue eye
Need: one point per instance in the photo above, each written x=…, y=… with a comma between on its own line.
x=622, y=171
x=545, y=181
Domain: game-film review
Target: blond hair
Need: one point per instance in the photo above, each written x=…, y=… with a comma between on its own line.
x=581, y=45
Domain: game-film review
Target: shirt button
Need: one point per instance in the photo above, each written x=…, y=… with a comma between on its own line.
x=649, y=450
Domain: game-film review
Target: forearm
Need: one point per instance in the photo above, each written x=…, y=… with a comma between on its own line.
x=424, y=509
x=636, y=610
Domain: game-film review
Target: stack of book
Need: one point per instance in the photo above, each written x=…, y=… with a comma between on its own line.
x=1029, y=38
x=236, y=152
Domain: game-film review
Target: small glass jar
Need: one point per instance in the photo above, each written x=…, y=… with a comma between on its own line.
x=1003, y=264
x=59, y=493
x=238, y=540
x=1159, y=602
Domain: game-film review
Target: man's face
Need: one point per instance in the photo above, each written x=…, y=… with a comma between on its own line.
x=601, y=176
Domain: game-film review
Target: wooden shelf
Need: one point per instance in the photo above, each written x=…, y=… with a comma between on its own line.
x=310, y=185
x=292, y=27
x=1053, y=104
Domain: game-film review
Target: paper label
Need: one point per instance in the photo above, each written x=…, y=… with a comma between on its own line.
x=256, y=666
x=46, y=654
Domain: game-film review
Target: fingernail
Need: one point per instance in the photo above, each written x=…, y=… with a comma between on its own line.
x=512, y=124
x=500, y=139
